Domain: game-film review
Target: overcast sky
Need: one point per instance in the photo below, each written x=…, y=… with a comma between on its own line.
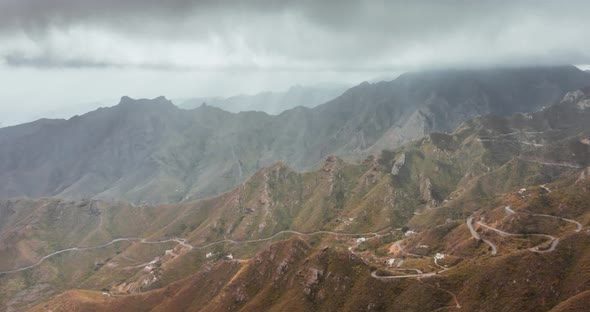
x=64, y=56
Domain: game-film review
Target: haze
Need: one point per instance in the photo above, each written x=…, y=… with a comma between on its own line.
x=65, y=57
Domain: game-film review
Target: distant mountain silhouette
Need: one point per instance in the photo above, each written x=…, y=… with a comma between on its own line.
x=272, y=103
x=150, y=150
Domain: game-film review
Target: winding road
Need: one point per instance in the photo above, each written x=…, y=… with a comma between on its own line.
x=180, y=241
x=183, y=242
x=578, y=224
x=418, y=274
x=476, y=236
x=554, y=240
x=375, y=234
x=68, y=250
x=399, y=245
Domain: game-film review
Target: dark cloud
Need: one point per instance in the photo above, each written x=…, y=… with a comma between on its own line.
x=59, y=53
x=291, y=35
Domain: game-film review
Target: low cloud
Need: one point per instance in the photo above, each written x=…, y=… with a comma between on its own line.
x=291, y=36
x=56, y=55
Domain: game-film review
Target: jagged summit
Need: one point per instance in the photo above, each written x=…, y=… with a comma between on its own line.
x=580, y=98
x=160, y=100
x=503, y=199
x=165, y=154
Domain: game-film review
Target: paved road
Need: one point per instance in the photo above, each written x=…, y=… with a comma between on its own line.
x=125, y=239
x=505, y=234
x=476, y=236
x=551, y=248
x=554, y=240
x=418, y=274
x=183, y=242
x=578, y=224
x=68, y=250
x=180, y=241
x=375, y=234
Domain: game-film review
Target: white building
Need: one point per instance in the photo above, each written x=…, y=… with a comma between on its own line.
x=409, y=233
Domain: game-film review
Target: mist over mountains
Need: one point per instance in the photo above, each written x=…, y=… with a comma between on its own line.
x=272, y=103
x=152, y=151
x=336, y=156
x=467, y=220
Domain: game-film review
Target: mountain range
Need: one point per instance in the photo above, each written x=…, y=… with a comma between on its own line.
x=492, y=216
x=150, y=151
x=272, y=103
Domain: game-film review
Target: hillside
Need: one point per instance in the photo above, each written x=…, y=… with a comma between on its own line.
x=151, y=151
x=302, y=241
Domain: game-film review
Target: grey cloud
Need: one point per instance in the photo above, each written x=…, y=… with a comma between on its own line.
x=291, y=35
x=17, y=60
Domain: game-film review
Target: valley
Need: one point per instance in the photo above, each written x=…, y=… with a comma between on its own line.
x=447, y=217
x=294, y=156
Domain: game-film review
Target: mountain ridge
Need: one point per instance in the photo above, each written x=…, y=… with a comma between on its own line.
x=272, y=103
x=283, y=234
x=150, y=151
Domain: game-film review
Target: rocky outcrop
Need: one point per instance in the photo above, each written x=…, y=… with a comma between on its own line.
x=398, y=165
x=578, y=98
x=426, y=191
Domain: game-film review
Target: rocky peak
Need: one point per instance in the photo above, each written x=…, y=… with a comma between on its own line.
x=160, y=101
x=579, y=97
x=573, y=96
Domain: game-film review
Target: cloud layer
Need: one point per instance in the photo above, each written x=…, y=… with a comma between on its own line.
x=56, y=55
x=291, y=35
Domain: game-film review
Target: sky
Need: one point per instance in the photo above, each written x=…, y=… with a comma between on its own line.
x=65, y=57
